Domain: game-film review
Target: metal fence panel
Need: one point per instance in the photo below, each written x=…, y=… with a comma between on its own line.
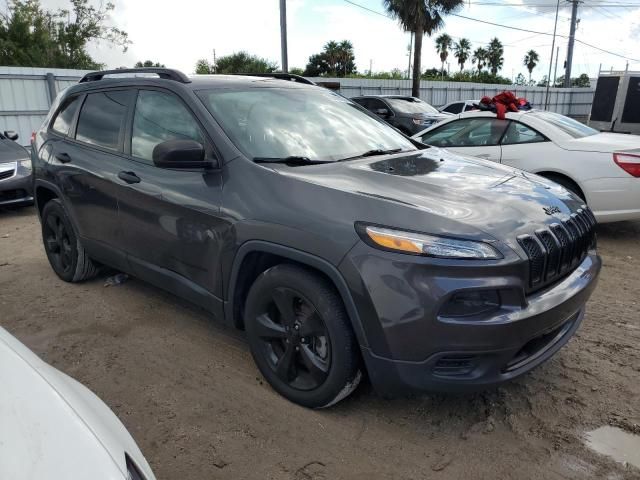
x=26, y=95
x=575, y=102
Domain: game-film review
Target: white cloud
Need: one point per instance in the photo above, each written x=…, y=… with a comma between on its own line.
x=179, y=33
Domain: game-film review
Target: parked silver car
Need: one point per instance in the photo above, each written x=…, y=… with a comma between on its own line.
x=15, y=172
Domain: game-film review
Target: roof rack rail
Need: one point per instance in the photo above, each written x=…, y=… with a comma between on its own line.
x=165, y=73
x=281, y=76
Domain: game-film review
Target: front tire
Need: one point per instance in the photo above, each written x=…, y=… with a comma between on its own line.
x=300, y=336
x=66, y=254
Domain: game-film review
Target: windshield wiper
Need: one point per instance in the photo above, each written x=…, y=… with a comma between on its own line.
x=292, y=160
x=373, y=153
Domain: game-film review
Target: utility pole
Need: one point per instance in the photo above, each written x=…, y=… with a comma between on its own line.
x=555, y=70
x=572, y=38
x=553, y=45
x=410, y=50
x=214, y=60
x=283, y=35
x=370, y=66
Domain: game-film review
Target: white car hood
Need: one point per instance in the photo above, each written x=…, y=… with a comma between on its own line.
x=602, y=142
x=53, y=428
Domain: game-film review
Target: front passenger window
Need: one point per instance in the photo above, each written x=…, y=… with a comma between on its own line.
x=467, y=132
x=160, y=117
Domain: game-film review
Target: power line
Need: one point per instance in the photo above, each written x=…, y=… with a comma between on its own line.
x=635, y=60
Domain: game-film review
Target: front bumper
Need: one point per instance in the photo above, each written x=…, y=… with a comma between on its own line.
x=409, y=347
x=16, y=189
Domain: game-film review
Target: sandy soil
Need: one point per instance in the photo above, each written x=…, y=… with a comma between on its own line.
x=188, y=391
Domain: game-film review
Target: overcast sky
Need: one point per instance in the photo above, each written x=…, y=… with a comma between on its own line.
x=179, y=33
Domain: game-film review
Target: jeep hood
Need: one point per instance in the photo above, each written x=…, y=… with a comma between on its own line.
x=500, y=201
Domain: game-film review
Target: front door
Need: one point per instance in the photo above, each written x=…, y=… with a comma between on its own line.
x=171, y=218
x=478, y=137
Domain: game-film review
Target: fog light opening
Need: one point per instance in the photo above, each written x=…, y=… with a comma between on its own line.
x=471, y=303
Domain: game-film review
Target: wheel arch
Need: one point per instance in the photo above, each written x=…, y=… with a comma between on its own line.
x=256, y=256
x=550, y=174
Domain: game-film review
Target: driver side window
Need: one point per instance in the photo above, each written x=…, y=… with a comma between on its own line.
x=467, y=132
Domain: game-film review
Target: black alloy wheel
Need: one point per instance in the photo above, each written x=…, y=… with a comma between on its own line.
x=301, y=337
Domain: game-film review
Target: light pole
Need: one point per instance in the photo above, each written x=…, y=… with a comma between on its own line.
x=553, y=46
x=283, y=35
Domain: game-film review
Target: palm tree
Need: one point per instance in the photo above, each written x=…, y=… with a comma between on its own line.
x=479, y=58
x=531, y=59
x=420, y=17
x=461, y=51
x=332, y=51
x=495, y=55
x=443, y=43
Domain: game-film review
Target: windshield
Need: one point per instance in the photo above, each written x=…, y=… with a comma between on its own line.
x=410, y=105
x=313, y=123
x=568, y=125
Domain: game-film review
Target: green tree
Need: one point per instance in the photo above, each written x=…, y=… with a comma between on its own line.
x=296, y=71
x=530, y=61
x=479, y=58
x=243, y=62
x=203, y=67
x=336, y=59
x=582, y=81
x=495, y=55
x=420, y=17
x=443, y=44
x=148, y=63
x=461, y=51
x=520, y=80
x=35, y=37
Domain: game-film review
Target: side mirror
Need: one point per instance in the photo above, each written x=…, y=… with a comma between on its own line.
x=383, y=112
x=11, y=135
x=180, y=154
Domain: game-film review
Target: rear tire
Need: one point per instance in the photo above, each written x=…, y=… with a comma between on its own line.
x=66, y=254
x=300, y=336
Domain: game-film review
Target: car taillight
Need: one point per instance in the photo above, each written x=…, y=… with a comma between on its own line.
x=33, y=137
x=628, y=162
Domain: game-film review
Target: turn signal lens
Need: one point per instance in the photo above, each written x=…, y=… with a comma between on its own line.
x=430, y=245
x=628, y=162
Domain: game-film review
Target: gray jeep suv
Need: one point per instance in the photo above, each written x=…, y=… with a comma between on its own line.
x=341, y=246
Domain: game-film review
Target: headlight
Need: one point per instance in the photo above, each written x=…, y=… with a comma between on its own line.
x=429, y=245
x=423, y=121
x=25, y=164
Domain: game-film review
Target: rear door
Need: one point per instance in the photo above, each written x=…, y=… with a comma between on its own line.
x=171, y=217
x=477, y=136
x=85, y=159
x=525, y=148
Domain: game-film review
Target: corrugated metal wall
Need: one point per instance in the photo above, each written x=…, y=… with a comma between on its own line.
x=26, y=95
x=575, y=102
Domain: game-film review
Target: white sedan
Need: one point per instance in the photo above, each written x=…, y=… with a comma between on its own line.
x=51, y=427
x=602, y=168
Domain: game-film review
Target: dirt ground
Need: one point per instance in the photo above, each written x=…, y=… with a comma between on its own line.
x=188, y=391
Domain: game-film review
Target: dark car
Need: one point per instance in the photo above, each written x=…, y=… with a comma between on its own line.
x=410, y=115
x=15, y=172
x=337, y=243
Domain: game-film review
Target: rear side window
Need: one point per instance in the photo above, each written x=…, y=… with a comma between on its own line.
x=64, y=117
x=102, y=118
x=519, y=133
x=160, y=117
x=453, y=108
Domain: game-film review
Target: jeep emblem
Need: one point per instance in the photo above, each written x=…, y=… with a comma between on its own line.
x=551, y=210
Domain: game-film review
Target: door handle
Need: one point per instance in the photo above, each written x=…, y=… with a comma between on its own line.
x=483, y=155
x=63, y=157
x=129, y=177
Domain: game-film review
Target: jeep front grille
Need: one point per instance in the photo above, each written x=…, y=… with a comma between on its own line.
x=556, y=251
